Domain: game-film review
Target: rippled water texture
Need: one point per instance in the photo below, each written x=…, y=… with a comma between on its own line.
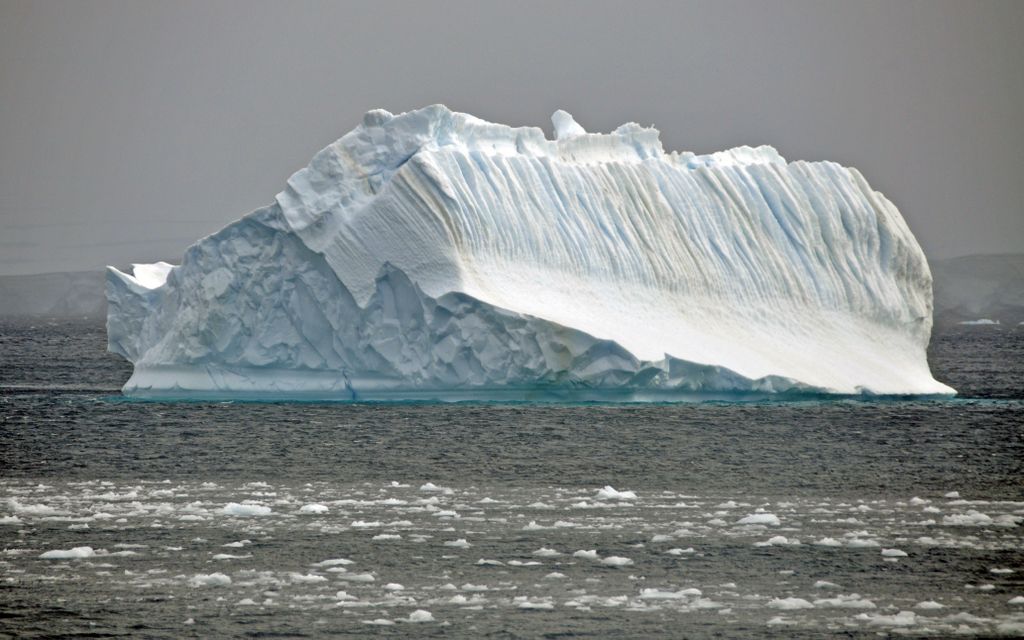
x=784, y=519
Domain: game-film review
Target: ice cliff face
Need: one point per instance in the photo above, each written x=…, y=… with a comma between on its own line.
x=433, y=254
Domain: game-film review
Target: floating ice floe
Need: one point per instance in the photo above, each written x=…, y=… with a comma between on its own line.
x=928, y=605
x=209, y=580
x=659, y=594
x=901, y=619
x=616, y=561
x=69, y=554
x=778, y=541
x=769, y=519
x=386, y=536
x=421, y=615
x=544, y=552
x=611, y=493
x=236, y=509
x=851, y=601
x=333, y=562
x=789, y=604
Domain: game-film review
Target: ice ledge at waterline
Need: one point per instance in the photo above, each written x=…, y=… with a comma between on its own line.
x=436, y=255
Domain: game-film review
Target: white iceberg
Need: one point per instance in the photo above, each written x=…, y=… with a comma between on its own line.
x=435, y=255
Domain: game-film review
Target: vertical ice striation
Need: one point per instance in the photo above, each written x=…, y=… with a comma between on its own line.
x=433, y=254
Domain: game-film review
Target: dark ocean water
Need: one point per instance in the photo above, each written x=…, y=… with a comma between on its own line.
x=784, y=519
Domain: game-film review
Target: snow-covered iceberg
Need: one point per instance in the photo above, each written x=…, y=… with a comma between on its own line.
x=435, y=255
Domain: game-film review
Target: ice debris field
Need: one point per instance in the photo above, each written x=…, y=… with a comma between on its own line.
x=209, y=558
x=434, y=255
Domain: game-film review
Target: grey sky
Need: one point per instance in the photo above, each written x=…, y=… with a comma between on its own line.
x=130, y=129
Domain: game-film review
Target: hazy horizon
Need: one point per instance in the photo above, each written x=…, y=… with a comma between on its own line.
x=131, y=129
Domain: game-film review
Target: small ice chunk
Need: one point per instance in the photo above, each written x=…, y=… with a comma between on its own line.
x=589, y=555
x=790, y=604
x=333, y=562
x=1000, y=570
x=894, y=553
x=769, y=519
x=458, y=544
x=236, y=509
x=970, y=519
x=778, y=541
x=616, y=561
x=382, y=622
x=314, y=508
x=678, y=552
x=611, y=493
x=901, y=619
x=430, y=486
x=554, y=575
x=393, y=586
x=421, y=615
x=544, y=552
x=522, y=602
x=238, y=544
x=344, y=595
x=828, y=542
x=1016, y=600
x=209, y=580
x=953, y=495
x=658, y=594
x=928, y=604
x=825, y=584
x=69, y=554
x=851, y=601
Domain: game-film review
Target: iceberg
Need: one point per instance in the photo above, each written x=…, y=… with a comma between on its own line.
x=434, y=255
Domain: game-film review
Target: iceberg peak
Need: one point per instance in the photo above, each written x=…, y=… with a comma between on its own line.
x=565, y=125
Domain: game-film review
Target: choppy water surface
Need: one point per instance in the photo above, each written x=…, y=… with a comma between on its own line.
x=779, y=519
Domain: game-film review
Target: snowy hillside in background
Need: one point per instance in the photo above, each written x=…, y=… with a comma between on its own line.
x=979, y=287
x=58, y=295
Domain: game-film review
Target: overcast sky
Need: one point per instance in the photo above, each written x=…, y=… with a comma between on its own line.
x=130, y=129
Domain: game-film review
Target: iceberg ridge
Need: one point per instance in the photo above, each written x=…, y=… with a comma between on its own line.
x=433, y=254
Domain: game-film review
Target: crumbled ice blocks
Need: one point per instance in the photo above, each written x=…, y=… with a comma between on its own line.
x=435, y=255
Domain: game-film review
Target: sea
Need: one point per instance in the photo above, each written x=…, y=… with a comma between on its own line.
x=775, y=518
